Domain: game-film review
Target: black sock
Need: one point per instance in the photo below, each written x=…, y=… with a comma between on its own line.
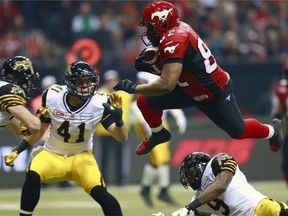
x=30, y=192
x=107, y=201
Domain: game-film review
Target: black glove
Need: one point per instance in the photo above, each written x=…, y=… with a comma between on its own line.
x=115, y=108
x=142, y=66
x=125, y=85
x=44, y=114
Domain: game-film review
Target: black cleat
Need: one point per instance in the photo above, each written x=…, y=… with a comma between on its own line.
x=276, y=141
x=155, y=139
x=166, y=198
x=146, y=197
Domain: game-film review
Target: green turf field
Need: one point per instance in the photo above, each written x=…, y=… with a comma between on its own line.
x=75, y=202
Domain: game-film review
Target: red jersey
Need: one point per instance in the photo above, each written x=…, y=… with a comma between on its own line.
x=201, y=78
x=281, y=93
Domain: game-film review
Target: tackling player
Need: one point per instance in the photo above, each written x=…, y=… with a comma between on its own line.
x=17, y=80
x=190, y=77
x=222, y=189
x=73, y=111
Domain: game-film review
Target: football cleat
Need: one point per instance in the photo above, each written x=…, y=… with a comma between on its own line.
x=276, y=141
x=155, y=139
x=146, y=197
x=166, y=198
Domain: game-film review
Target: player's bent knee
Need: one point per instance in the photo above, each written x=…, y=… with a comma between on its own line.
x=33, y=178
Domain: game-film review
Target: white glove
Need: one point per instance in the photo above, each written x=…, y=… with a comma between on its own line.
x=182, y=212
x=180, y=119
x=157, y=214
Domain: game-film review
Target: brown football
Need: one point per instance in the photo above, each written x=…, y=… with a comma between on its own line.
x=152, y=57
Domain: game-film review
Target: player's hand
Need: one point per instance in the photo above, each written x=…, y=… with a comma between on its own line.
x=142, y=66
x=10, y=157
x=24, y=130
x=125, y=85
x=44, y=114
x=115, y=108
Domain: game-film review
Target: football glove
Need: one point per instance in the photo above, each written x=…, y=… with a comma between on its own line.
x=142, y=66
x=125, y=85
x=44, y=114
x=10, y=157
x=115, y=108
x=24, y=130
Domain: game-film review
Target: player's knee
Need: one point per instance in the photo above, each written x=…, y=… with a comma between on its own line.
x=32, y=178
x=142, y=102
x=236, y=132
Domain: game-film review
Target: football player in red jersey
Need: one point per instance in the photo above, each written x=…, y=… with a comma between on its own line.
x=279, y=110
x=190, y=77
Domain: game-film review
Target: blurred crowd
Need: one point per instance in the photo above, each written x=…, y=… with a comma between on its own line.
x=236, y=31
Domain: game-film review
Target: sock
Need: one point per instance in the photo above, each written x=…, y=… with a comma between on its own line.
x=30, y=193
x=163, y=173
x=152, y=117
x=107, y=201
x=149, y=174
x=255, y=129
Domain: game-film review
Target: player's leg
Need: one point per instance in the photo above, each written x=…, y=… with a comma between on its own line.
x=30, y=193
x=225, y=113
x=271, y=207
x=152, y=110
x=41, y=167
x=86, y=173
x=285, y=160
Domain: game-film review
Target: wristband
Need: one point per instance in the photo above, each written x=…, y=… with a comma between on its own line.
x=193, y=205
x=23, y=145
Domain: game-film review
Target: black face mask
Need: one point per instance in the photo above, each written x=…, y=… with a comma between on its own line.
x=151, y=36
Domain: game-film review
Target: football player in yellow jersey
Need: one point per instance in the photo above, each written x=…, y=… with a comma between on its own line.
x=17, y=75
x=158, y=166
x=73, y=112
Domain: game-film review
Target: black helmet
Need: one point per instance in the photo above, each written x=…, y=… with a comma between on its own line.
x=192, y=169
x=19, y=70
x=74, y=76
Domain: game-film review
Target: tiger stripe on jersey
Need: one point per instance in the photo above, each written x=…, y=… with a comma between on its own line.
x=229, y=165
x=8, y=100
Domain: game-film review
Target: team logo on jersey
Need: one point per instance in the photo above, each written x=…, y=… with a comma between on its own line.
x=162, y=15
x=17, y=90
x=170, y=49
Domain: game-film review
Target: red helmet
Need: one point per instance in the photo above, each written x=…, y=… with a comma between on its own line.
x=158, y=17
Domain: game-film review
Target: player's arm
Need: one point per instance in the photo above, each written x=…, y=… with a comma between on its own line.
x=165, y=84
x=112, y=118
x=24, y=144
x=224, y=167
x=25, y=117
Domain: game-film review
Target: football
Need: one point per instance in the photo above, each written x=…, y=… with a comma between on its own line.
x=152, y=57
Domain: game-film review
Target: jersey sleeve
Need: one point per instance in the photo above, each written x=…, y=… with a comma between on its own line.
x=223, y=162
x=173, y=48
x=11, y=95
